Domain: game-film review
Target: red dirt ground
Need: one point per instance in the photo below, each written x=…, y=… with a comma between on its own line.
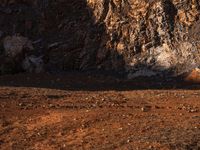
x=81, y=111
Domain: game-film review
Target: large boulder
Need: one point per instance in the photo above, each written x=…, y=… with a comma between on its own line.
x=19, y=56
x=15, y=45
x=33, y=64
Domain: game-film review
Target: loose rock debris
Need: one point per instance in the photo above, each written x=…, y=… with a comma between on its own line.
x=70, y=118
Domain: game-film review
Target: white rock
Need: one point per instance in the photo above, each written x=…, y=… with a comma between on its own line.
x=33, y=64
x=14, y=45
x=142, y=73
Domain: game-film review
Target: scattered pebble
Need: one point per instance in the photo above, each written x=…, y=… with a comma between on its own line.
x=146, y=108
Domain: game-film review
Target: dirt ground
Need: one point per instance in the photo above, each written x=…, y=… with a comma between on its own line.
x=97, y=112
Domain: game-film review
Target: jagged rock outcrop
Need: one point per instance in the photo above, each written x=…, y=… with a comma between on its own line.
x=134, y=36
x=152, y=34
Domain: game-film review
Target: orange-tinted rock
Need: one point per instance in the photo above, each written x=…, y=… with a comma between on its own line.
x=193, y=76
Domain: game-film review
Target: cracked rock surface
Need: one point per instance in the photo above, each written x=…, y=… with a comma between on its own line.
x=122, y=35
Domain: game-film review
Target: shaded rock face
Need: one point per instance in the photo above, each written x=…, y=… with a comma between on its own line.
x=123, y=35
x=152, y=34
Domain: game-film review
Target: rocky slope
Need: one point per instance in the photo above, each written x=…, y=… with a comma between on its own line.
x=141, y=37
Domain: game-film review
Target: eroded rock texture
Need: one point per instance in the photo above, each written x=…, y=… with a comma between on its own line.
x=151, y=35
x=134, y=36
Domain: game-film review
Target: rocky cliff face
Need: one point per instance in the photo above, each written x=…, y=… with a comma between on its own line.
x=141, y=37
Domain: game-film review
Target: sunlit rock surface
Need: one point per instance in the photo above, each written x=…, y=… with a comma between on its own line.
x=122, y=35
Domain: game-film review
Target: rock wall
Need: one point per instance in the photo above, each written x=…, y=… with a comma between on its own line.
x=151, y=35
x=141, y=37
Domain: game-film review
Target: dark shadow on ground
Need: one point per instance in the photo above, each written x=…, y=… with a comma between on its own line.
x=93, y=81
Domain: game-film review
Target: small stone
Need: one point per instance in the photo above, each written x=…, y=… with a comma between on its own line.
x=120, y=128
x=146, y=108
x=20, y=104
x=150, y=146
x=51, y=105
x=192, y=111
x=157, y=107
